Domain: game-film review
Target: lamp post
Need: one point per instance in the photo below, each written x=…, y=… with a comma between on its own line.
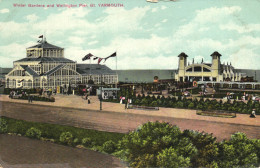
x=101, y=93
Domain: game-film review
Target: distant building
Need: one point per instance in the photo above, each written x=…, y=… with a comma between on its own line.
x=46, y=67
x=3, y=72
x=214, y=71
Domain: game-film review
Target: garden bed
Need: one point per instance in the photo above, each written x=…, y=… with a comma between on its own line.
x=216, y=114
x=142, y=107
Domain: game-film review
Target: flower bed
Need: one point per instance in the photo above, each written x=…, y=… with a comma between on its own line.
x=216, y=114
x=37, y=98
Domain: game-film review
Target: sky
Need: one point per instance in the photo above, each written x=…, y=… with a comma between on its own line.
x=144, y=35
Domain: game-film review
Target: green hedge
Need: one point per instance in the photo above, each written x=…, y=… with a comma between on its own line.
x=29, y=91
x=53, y=131
x=38, y=98
x=205, y=105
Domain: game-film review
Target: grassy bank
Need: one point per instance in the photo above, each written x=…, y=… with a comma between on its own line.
x=53, y=132
x=153, y=144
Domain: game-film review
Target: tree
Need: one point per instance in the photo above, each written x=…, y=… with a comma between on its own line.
x=239, y=151
x=170, y=158
x=144, y=147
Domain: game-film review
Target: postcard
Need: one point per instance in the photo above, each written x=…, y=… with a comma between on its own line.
x=129, y=83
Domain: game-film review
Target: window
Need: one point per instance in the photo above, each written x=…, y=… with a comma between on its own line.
x=189, y=70
x=197, y=69
x=206, y=69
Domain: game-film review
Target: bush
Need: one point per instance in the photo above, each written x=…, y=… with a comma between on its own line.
x=191, y=105
x=170, y=158
x=179, y=104
x=87, y=142
x=109, y=146
x=33, y=133
x=3, y=126
x=239, y=151
x=66, y=138
x=154, y=103
x=76, y=141
x=141, y=146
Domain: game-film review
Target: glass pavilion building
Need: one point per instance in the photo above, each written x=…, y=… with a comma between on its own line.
x=46, y=67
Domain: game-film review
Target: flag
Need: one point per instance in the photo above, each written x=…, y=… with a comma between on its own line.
x=41, y=36
x=95, y=58
x=87, y=57
x=112, y=55
x=99, y=60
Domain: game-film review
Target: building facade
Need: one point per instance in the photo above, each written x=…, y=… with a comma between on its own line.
x=214, y=71
x=46, y=67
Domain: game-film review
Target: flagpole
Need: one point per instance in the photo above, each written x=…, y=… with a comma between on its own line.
x=116, y=70
x=90, y=67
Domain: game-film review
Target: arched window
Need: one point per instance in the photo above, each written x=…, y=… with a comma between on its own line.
x=14, y=83
x=189, y=70
x=197, y=69
x=7, y=83
x=29, y=83
x=206, y=69
x=44, y=82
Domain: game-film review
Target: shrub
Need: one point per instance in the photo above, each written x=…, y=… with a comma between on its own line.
x=3, y=126
x=33, y=133
x=179, y=104
x=170, y=158
x=87, y=142
x=76, y=141
x=66, y=138
x=141, y=146
x=191, y=105
x=154, y=103
x=109, y=146
x=144, y=102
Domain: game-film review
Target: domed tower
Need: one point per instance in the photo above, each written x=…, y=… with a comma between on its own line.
x=215, y=68
x=44, y=49
x=182, y=64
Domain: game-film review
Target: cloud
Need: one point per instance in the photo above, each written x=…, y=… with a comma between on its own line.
x=245, y=58
x=164, y=20
x=139, y=53
x=92, y=42
x=76, y=40
x=32, y=18
x=206, y=18
x=4, y=10
x=12, y=52
x=154, y=10
x=231, y=26
x=163, y=7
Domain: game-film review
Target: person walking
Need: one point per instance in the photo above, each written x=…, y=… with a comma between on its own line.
x=29, y=100
x=253, y=114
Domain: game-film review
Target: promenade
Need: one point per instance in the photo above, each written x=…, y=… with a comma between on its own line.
x=74, y=110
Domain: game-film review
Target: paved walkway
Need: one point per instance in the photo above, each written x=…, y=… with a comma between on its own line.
x=22, y=152
x=74, y=101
